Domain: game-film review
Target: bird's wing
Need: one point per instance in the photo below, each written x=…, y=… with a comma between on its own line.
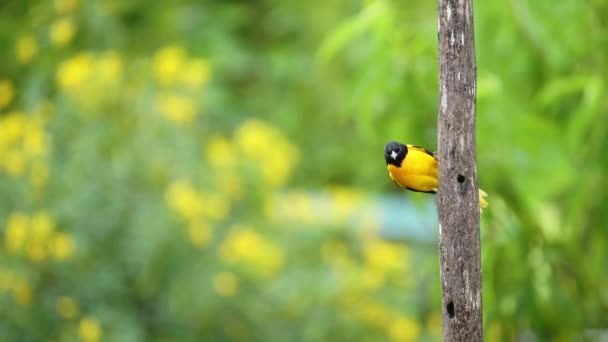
x=423, y=150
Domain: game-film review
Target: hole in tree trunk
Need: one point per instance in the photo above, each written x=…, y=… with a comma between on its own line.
x=460, y=178
x=450, y=309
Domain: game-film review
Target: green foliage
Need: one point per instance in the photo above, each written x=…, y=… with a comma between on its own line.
x=178, y=170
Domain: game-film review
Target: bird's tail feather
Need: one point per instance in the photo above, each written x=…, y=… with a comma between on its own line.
x=482, y=202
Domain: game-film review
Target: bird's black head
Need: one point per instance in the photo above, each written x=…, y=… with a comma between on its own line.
x=394, y=153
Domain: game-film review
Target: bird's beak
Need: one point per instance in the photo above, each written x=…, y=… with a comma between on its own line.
x=394, y=155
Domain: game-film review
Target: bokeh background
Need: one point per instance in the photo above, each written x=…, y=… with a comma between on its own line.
x=184, y=170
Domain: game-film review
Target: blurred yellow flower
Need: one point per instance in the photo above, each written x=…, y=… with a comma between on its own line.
x=184, y=200
x=62, y=31
x=385, y=256
x=248, y=248
x=348, y=201
x=6, y=280
x=217, y=207
x=196, y=73
x=65, y=6
x=256, y=139
x=74, y=72
x=372, y=279
x=39, y=174
x=434, y=325
x=42, y=226
x=7, y=92
x=230, y=184
x=375, y=314
x=404, y=329
x=332, y=249
x=67, y=307
x=277, y=166
x=225, y=284
x=494, y=332
x=35, y=250
x=34, y=141
x=89, y=329
x=44, y=109
x=14, y=163
x=11, y=127
x=220, y=152
x=200, y=233
x=268, y=149
x=180, y=109
x=62, y=246
x=26, y=48
x=296, y=205
x=109, y=67
x=168, y=63
x=22, y=292
x=368, y=224
x=16, y=232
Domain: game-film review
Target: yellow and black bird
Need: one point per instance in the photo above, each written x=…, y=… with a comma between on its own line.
x=415, y=168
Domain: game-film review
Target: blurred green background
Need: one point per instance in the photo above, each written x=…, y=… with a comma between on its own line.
x=186, y=170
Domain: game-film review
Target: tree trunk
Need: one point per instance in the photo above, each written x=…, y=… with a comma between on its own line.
x=458, y=197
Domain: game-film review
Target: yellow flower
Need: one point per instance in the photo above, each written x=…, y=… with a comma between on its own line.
x=41, y=230
x=268, y=149
x=299, y=204
x=196, y=73
x=177, y=108
x=62, y=31
x=199, y=233
x=22, y=292
x=249, y=249
x=74, y=72
x=225, y=284
x=65, y=6
x=404, y=329
x=26, y=48
x=167, y=64
x=15, y=163
x=385, y=256
x=434, y=325
x=183, y=199
x=7, y=92
x=333, y=251
x=495, y=331
x=16, y=232
x=35, y=250
x=34, y=141
x=109, y=67
x=62, y=246
x=12, y=127
x=217, y=207
x=255, y=138
x=347, y=202
x=231, y=184
x=44, y=109
x=277, y=167
x=372, y=279
x=220, y=152
x=375, y=314
x=89, y=329
x=42, y=226
x=67, y=307
x=295, y=205
x=39, y=174
x=7, y=279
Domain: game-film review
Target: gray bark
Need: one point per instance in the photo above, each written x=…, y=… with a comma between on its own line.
x=457, y=197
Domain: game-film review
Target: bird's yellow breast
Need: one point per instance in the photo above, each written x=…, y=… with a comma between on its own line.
x=418, y=171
